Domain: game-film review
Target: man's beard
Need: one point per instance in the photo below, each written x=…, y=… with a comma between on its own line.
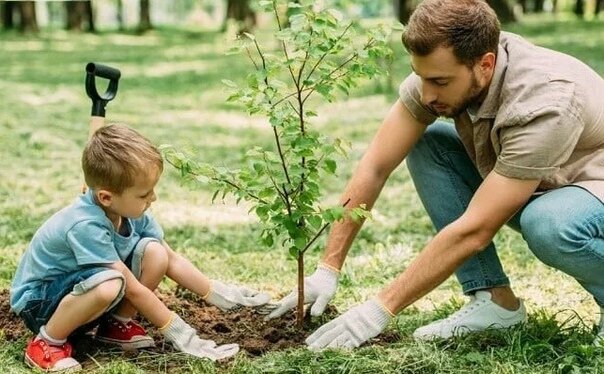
x=473, y=96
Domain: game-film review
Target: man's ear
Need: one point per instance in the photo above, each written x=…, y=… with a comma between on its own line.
x=487, y=63
x=104, y=197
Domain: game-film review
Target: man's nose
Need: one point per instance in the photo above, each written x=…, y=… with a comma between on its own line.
x=429, y=95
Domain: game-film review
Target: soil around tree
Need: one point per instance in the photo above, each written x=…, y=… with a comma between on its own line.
x=245, y=327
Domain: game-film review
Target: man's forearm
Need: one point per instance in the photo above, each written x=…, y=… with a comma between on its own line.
x=438, y=260
x=364, y=188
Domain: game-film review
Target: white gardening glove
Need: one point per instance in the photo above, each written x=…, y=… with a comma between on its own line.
x=228, y=297
x=352, y=328
x=319, y=289
x=184, y=338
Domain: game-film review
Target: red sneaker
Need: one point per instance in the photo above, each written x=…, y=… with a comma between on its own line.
x=129, y=335
x=41, y=355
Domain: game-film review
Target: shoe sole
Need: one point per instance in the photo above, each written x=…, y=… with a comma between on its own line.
x=136, y=344
x=33, y=365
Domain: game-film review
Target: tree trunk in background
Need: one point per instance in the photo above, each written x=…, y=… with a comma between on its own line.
x=523, y=6
x=403, y=10
x=538, y=8
x=503, y=10
x=78, y=13
x=145, y=16
x=579, y=8
x=120, y=15
x=7, y=8
x=598, y=7
x=240, y=11
x=27, y=10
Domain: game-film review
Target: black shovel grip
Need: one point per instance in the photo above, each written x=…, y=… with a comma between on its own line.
x=100, y=101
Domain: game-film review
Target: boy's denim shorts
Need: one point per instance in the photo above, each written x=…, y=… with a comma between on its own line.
x=46, y=298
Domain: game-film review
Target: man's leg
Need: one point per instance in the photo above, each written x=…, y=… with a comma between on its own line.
x=148, y=263
x=564, y=228
x=446, y=179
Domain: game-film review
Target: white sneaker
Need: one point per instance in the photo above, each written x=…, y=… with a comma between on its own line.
x=599, y=340
x=478, y=315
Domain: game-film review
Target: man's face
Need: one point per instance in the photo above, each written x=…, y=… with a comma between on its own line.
x=448, y=86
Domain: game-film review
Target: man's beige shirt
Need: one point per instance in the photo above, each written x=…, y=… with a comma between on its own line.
x=543, y=118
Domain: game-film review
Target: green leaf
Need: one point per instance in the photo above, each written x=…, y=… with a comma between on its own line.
x=229, y=83
x=330, y=166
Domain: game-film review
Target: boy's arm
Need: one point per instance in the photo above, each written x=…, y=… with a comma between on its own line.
x=142, y=298
x=176, y=331
x=224, y=296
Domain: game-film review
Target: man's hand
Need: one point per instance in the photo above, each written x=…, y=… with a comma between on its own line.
x=319, y=289
x=229, y=297
x=184, y=338
x=352, y=328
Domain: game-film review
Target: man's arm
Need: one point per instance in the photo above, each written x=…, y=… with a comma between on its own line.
x=395, y=138
x=497, y=199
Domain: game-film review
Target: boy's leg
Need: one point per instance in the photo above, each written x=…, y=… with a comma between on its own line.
x=148, y=264
x=63, y=305
x=446, y=179
x=564, y=228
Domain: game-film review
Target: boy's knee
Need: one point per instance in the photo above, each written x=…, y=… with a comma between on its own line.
x=155, y=256
x=108, y=291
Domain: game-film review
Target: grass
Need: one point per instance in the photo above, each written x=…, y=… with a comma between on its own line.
x=171, y=92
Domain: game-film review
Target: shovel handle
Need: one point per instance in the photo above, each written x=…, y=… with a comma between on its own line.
x=99, y=101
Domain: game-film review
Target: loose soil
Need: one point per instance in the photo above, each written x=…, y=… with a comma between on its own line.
x=245, y=327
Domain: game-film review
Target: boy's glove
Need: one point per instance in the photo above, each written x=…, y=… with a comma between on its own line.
x=319, y=289
x=184, y=338
x=352, y=328
x=229, y=297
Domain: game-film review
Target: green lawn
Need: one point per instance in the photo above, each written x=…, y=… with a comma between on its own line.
x=171, y=91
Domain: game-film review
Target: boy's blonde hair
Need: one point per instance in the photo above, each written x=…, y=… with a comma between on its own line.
x=115, y=155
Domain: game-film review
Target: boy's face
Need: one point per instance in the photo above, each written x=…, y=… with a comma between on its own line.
x=133, y=201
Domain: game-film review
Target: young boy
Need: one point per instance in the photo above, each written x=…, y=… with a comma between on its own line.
x=99, y=260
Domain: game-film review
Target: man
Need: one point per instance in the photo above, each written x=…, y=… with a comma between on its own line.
x=527, y=149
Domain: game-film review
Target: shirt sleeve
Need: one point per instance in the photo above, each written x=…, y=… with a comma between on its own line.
x=92, y=243
x=148, y=227
x=542, y=139
x=410, y=95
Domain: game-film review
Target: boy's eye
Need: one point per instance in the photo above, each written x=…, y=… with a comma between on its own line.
x=441, y=83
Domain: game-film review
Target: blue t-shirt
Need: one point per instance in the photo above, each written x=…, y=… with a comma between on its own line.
x=76, y=236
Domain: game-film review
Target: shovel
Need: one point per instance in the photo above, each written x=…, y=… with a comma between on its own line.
x=97, y=119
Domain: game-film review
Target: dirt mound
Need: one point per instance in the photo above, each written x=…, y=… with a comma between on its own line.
x=245, y=327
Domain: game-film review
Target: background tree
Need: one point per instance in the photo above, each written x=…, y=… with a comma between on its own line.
x=7, y=11
x=503, y=9
x=241, y=12
x=403, y=10
x=79, y=16
x=27, y=16
x=145, y=16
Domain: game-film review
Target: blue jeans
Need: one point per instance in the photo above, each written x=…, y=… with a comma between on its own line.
x=564, y=227
x=46, y=299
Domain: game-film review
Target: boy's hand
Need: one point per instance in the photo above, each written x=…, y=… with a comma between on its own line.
x=185, y=339
x=229, y=297
x=319, y=288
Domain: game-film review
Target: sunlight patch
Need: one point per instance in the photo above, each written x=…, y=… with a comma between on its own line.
x=182, y=214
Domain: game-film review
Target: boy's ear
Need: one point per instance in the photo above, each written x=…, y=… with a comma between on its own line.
x=104, y=197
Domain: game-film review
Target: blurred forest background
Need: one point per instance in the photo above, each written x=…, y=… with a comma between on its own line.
x=144, y=15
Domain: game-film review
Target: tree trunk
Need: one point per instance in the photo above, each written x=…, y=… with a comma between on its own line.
x=27, y=10
x=79, y=12
x=240, y=11
x=503, y=10
x=523, y=6
x=300, y=308
x=145, y=16
x=598, y=7
x=538, y=8
x=8, y=11
x=120, y=15
x=579, y=8
x=403, y=10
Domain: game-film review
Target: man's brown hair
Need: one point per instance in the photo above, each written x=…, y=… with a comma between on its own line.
x=115, y=156
x=471, y=27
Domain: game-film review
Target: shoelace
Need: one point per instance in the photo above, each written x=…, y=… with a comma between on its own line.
x=46, y=349
x=473, y=304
